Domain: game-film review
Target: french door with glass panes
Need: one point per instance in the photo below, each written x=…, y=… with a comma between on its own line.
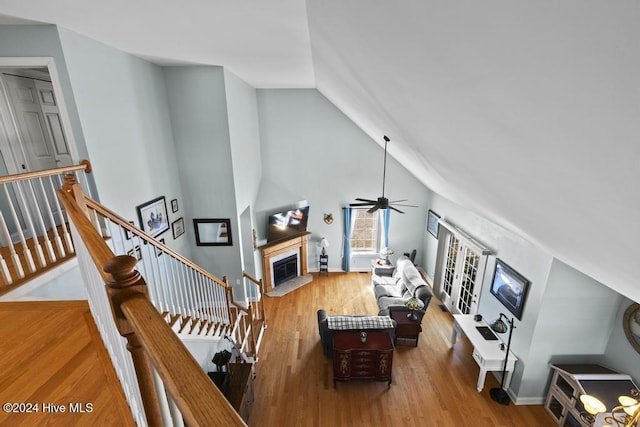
x=462, y=274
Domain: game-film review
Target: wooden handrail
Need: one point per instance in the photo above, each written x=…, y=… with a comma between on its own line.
x=84, y=165
x=149, y=337
x=198, y=398
x=120, y=221
x=250, y=277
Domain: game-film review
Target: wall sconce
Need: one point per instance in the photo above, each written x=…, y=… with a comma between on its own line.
x=328, y=218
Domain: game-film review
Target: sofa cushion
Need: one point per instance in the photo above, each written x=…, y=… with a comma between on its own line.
x=359, y=322
x=382, y=280
x=387, y=291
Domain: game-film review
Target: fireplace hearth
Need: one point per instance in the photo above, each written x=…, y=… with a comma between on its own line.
x=285, y=269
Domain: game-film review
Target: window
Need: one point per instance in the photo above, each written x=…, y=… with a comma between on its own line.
x=365, y=233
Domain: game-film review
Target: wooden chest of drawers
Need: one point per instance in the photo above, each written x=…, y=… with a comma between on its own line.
x=369, y=360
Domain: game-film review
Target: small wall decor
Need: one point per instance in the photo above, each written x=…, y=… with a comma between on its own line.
x=328, y=218
x=174, y=205
x=177, y=227
x=153, y=216
x=631, y=325
x=129, y=234
x=159, y=251
x=432, y=223
x=136, y=253
x=213, y=232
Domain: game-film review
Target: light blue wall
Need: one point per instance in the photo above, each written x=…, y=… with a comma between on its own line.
x=619, y=353
x=124, y=111
x=198, y=108
x=312, y=150
x=566, y=312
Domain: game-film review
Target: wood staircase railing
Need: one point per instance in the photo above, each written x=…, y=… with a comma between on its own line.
x=153, y=345
x=34, y=236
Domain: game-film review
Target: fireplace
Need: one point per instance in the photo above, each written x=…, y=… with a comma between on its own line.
x=285, y=269
x=276, y=251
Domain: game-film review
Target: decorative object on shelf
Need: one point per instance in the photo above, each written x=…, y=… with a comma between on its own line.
x=382, y=202
x=213, y=231
x=499, y=394
x=177, y=227
x=386, y=252
x=328, y=218
x=153, y=216
x=627, y=414
x=631, y=325
x=433, y=227
x=413, y=304
x=324, y=243
x=174, y=205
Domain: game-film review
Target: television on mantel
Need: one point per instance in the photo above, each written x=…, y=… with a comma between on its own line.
x=291, y=223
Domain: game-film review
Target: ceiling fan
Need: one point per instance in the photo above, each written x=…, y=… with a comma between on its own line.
x=382, y=202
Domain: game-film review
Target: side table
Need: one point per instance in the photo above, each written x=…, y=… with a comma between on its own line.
x=324, y=264
x=382, y=269
x=407, y=330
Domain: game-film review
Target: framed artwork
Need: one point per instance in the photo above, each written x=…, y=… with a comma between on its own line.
x=174, y=205
x=213, y=232
x=631, y=325
x=128, y=234
x=153, y=216
x=432, y=223
x=177, y=227
x=136, y=253
x=158, y=250
x=510, y=288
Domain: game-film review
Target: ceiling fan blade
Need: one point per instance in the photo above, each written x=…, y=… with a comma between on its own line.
x=373, y=209
x=409, y=206
x=397, y=210
x=362, y=204
x=365, y=200
x=396, y=201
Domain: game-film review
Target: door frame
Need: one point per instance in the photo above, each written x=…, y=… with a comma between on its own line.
x=465, y=242
x=13, y=164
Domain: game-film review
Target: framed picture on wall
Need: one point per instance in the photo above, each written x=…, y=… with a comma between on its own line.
x=178, y=227
x=174, y=205
x=153, y=216
x=213, y=232
x=432, y=223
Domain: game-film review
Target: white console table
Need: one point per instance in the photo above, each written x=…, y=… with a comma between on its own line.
x=488, y=354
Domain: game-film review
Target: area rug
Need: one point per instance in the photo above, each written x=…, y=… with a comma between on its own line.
x=290, y=285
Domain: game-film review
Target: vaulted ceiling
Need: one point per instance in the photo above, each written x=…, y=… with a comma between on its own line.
x=527, y=113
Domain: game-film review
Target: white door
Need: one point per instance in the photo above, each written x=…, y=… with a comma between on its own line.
x=462, y=274
x=38, y=120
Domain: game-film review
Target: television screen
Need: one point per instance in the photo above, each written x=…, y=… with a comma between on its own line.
x=287, y=224
x=510, y=288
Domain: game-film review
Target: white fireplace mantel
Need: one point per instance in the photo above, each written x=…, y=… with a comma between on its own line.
x=275, y=249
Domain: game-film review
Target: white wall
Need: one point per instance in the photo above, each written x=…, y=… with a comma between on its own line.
x=313, y=152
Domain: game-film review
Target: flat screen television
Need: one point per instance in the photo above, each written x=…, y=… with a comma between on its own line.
x=287, y=224
x=510, y=287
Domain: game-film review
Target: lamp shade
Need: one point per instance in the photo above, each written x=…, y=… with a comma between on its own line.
x=386, y=251
x=414, y=304
x=592, y=404
x=324, y=243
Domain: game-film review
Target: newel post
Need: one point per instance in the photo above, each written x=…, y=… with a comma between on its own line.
x=72, y=187
x=123, y=283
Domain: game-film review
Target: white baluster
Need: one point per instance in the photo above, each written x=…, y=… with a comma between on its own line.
x=63, y=222
x=25, y=250
x=16, y=259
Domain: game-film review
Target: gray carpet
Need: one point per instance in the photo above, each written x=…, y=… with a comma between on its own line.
x=290, y=285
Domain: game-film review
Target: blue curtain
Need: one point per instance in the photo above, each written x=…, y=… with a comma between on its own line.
x=386, y=214
x=346, y=241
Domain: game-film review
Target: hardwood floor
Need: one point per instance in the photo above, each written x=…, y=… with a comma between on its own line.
x=433, y=384
x=51, y=354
